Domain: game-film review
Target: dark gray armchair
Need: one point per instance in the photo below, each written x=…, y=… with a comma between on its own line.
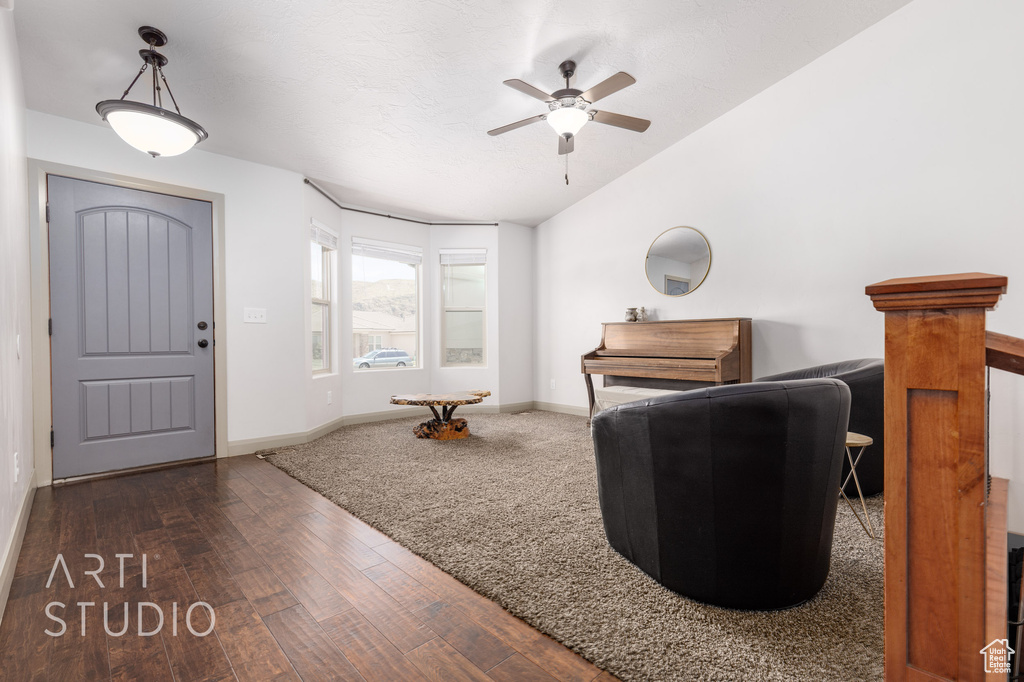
x=866, y=379
x=727, y=494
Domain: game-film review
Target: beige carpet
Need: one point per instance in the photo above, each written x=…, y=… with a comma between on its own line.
x=512, y=512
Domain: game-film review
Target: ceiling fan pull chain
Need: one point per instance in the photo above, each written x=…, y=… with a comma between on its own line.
x=567, y=169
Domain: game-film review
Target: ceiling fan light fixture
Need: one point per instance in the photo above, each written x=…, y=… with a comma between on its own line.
x=149, y=127
x=567, y=121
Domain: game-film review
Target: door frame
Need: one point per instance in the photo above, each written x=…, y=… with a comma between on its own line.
x=42, y=412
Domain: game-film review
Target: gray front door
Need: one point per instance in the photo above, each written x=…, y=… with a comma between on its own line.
x=131, y=302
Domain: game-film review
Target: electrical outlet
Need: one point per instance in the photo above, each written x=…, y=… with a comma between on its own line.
x=552, y=384
x=330, y=398
x=254, y=315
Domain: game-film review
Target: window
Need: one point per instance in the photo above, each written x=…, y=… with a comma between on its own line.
x=321, y=250
x=463, y=296
x=385, y=304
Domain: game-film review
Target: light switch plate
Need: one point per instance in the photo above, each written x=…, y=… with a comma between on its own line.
x=254, y=315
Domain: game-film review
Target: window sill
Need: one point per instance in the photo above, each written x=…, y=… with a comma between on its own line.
x=368, y=370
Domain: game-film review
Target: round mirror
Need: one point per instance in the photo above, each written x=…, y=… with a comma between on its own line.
x=678, y=261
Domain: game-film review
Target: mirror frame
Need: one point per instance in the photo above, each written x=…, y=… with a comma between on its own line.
x=693, y=288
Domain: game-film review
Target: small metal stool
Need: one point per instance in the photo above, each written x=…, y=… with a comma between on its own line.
x=856, y=440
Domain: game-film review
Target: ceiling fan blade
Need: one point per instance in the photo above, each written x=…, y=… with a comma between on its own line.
x=517, y=124
x=638, y=125
x=608, y=86
x=528, y=89
x=565, y=146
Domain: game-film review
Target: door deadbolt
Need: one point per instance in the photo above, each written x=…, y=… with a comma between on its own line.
x=201, y=325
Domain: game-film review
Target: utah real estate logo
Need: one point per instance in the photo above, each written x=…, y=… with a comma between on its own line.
x=997, y=656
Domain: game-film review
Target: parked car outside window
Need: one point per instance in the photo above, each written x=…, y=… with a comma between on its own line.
x=385, y=357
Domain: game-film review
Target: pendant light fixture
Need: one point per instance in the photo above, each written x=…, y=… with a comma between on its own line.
x=149, y=127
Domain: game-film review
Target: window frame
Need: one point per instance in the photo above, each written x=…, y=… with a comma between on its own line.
x=457, y=258
x=324, y=239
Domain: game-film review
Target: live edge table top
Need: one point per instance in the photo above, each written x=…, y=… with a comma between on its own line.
x=443, y=399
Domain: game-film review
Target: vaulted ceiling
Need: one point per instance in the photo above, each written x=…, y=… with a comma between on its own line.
x=387, y=103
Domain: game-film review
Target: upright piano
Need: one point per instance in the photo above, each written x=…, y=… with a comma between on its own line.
x=672, y=354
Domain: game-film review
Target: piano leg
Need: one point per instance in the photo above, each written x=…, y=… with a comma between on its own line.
x=590, y=395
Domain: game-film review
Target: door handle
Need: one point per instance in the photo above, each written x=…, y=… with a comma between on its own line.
x=203, y=343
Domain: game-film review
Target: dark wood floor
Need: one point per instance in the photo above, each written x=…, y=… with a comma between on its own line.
x=300, y=589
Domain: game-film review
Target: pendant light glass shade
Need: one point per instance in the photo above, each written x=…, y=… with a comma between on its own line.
x=567, y=120
x=150, y=129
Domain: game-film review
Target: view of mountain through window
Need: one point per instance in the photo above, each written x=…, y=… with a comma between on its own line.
x=385, y=305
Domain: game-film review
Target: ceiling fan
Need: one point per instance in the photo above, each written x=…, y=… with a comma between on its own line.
x=568, y=107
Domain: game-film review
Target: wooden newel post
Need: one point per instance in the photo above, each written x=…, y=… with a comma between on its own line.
x=935, y=473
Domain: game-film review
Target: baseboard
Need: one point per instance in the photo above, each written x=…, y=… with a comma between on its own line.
x=564, y=409
x=496, y=409
x=251, y=445
x=367, y=417
x=14, y=549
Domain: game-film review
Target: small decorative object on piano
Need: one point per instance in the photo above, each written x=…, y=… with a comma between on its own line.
x=630, y=314
x=641, y=314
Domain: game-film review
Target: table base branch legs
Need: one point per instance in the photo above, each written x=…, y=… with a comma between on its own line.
x=437, y=429
x=444, y=426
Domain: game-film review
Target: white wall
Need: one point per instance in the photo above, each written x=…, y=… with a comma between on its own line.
x=16, y=448
x=272, y=392
x=264, y=236
x=364, y=392
x=509, y=316
x=899, y=153
x=515, y=299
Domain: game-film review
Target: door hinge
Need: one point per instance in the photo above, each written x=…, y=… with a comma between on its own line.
x=49, y=326
x=47, y=212
x=51, y=439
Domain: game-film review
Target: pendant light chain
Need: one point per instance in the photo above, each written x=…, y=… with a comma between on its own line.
x=168, y=86
x=567, y=169
x=145, y=66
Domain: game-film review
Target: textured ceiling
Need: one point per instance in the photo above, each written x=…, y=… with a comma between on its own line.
x=387, y=104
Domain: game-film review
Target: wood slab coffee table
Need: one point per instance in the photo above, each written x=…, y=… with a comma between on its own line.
x=442, y=426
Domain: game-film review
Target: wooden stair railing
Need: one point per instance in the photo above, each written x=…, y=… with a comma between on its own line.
x=1004, y=352
x=945, y=531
